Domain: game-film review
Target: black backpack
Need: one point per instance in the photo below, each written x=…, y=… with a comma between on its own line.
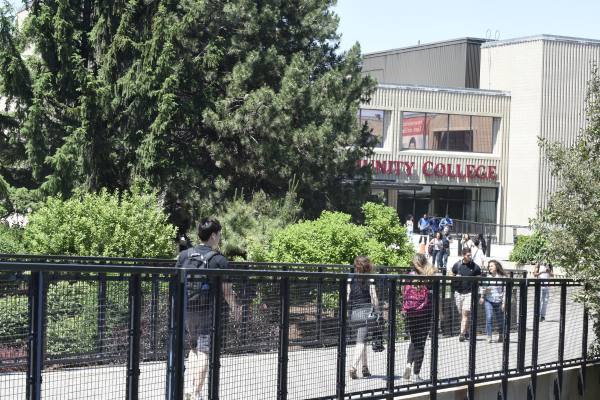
x=198, y=288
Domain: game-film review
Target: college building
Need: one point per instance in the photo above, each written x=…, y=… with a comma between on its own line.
x=458, y=123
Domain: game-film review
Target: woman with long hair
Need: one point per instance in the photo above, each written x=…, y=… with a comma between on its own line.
x=418, y=316
x=493, y=297
x=362, y=299
x=437, y=245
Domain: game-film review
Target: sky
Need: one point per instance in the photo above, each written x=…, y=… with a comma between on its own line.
x=388, y=24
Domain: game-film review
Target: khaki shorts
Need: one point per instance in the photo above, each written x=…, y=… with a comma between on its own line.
x=462, y=301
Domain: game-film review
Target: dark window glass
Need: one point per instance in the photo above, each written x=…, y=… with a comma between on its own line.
x=483, y=134
x=464, y=133
x=437, y=125
x=375, y=119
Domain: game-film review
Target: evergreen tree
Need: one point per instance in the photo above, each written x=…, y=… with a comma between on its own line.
x=196, y=98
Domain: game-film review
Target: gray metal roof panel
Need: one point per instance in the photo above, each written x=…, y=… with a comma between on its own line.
x=484, y=92
x=544, y=37
x=426, y=46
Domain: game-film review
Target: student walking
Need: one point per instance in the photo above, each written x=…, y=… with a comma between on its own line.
x=493, y=297
x=199, y=309
x=462, y=289
x=362, y=298
x=437, y=247
x=542, y=271
x=416, y=306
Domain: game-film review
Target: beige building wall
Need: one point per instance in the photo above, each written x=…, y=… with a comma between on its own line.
x=396, y=99
x=547, y=78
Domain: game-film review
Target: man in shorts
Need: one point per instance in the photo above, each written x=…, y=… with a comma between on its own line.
x=463, y=288
x=199, y=309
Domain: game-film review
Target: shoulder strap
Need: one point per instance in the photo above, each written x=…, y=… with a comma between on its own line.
x=209, y=255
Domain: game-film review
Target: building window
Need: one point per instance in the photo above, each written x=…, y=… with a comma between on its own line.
x=448, y=132
x=375, y=120
x=459, y=202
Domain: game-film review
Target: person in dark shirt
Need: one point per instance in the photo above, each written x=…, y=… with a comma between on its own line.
x=462, y=289
x=362, y=298
x=199, y=317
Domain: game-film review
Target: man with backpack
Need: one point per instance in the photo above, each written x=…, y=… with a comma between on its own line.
x=463, y=288
x=199, y=307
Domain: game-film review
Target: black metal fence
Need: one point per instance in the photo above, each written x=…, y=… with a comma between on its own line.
x=86, y=328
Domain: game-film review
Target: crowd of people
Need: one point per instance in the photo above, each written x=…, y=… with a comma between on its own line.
x=431, y=259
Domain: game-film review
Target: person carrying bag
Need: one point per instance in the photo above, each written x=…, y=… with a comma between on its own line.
x=362, y=298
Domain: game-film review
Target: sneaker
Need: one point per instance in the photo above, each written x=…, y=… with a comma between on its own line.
x=500, y=339
x=542, y=319
x=461, y=338
x=418, y=379
x=353, y=374
x=407, y=371
x=365, y=372
x=490, y=340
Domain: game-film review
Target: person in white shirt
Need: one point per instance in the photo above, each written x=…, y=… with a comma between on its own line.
x=410, y=225
x=542, y=271
x=478, y=255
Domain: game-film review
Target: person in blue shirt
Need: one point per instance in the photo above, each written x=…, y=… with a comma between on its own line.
x=424, y=225
x=446, y=224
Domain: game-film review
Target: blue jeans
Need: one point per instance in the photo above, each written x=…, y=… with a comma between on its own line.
x=491, y=310
x=545, y=296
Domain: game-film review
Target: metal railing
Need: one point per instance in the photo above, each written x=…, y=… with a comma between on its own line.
x=112, y=330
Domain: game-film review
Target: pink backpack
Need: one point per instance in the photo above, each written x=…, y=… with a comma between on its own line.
x=416, y=300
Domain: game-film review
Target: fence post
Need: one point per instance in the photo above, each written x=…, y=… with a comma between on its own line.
x=245, y=303
x=175, y=355
x=561, y=332
x=101, y=312
x=523, y=288
x=154, y=317
x=215, y=339
x=535, y=336
x=36, y=336
x=506, y=336
x=319, y=316
x=488, y=250
x=391, y=339
x=284, y=331
x=473, y=338
x=435, y=311
x=341, y=357
x=133, y=352
x=584, y=348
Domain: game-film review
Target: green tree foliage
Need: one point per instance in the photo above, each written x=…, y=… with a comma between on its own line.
x=334, y=239
x=111, y=225
x=249, y=225
x=570, y=222
x=10, y=240
x=528, y=249
x=198, y=98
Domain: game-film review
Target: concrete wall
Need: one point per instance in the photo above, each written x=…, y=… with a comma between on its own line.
x=547, y=78
x=517, y=388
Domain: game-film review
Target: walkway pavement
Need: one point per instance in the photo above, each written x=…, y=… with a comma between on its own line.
x=312, y=371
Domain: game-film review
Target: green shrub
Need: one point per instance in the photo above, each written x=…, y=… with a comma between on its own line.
x=11, y=241
x=72, y=335
x=14, y=318
x=529, y=248
x=72, y=318
x=104, y=224
x=334, y=239
x=249, y=225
